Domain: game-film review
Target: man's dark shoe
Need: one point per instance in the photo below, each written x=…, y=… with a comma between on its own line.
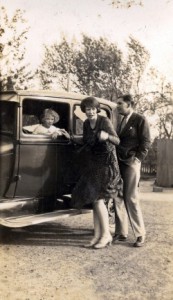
x=119, y=237
x=139, y=242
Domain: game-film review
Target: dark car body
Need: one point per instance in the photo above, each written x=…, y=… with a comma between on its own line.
x=37, y=174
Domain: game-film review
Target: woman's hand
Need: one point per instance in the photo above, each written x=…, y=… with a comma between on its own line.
x=103, y=136
x=55, y=135
x=65, y=133
x=60, y=133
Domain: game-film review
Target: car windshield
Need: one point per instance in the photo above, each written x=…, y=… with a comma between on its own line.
x=7, y=117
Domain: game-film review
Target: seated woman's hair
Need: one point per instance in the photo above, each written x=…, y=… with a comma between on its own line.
x=90, y=102
x=50, y=112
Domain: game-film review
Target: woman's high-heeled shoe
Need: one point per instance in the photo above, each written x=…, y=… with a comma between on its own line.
x=103, y=242
x=92, y=242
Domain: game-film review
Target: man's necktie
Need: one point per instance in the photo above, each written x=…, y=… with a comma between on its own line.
x=123, y=123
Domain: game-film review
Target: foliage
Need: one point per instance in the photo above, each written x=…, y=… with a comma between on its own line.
x=57, y=66
x=125, y=3
x=98, y=67
x=156, y=103
x=102, y=70
x=94, y=66
x=162, y=107
x=138, y=58
x=13, y=33
x=165, y=114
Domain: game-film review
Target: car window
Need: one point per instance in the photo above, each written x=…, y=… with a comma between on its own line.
x=79, y=117
x=33, y=110
x=8, y=116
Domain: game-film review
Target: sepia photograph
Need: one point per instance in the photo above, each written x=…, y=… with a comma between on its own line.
x=86, y=150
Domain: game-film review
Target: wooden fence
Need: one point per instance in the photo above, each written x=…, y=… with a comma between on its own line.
x=148, y=169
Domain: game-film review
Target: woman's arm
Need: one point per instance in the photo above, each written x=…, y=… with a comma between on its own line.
x=113, y=139
x=108, y=133
x=30, y=128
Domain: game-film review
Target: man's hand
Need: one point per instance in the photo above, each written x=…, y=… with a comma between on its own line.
x=136, y=159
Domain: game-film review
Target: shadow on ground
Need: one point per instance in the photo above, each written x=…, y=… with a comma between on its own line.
x=45, y=235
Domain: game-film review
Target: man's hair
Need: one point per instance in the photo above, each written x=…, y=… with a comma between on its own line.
x=127, y=98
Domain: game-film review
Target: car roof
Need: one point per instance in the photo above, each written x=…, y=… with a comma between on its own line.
x=11, y=95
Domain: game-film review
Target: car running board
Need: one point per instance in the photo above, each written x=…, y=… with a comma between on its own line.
x=23, y=221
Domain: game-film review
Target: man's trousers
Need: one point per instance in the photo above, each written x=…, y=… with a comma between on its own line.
x=130, y=174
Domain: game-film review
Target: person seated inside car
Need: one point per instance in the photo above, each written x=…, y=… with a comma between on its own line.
x=48, y=118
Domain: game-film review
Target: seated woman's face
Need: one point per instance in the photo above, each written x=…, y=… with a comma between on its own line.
x=48, y=121
x=91, y=112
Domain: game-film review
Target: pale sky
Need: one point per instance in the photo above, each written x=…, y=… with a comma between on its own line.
x=151, y=24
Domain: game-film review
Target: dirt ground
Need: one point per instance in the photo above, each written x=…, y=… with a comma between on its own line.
x=47, y=261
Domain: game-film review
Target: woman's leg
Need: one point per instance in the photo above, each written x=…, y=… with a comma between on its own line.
x=103, y=217
x=97, y=230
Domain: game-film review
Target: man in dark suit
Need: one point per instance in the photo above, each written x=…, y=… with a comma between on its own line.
x=134, y=135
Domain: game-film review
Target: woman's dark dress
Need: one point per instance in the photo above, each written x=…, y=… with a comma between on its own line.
x=101, y=178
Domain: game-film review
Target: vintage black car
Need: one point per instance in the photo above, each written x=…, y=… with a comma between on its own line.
x=37, y=174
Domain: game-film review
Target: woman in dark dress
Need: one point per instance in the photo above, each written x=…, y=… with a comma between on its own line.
x=101, y=178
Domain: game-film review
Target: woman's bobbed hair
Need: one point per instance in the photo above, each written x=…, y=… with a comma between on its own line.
x=90, y=102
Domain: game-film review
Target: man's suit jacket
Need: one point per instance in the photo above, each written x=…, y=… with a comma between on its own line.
x=134, y=138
